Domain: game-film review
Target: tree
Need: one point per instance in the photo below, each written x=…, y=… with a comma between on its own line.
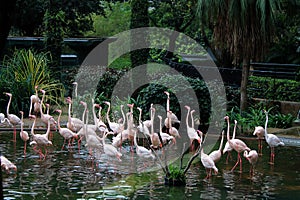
x=7, y=9
x=244, y=28
x=139, y=19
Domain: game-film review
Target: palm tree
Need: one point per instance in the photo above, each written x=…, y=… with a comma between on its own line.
x=243, y=28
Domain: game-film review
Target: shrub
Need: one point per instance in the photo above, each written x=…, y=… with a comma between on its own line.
x=22, y=72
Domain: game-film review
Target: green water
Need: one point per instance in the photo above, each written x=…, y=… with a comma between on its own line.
x=72, y=174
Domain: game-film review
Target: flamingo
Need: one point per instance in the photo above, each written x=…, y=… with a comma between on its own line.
x=23, y=134
x=3, y=119
x=252, y=157
x=142, y=151
x=40, y=140
x=192, y=133
x=109, y=149
x=155, y=138
x=74, y=124
x=164, y=136
x=7, y=164
x=115, y=127
x=227, y=147
x=99, y=124
x=260, y=132
x=216, y=155
x=93, y=141
x=46, y=117
x=124, y=134
x=272, y=140
x=66, y=133
x=172, y=130
x=237, y=144
x=13, y=119
x=209, y=164
x=35, y=100
x=173, y=117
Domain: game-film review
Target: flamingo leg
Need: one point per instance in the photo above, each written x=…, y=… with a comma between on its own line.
x=237, y=162
x=25, y=148
x=272, y=156
x=15, y=135
x=260, y=147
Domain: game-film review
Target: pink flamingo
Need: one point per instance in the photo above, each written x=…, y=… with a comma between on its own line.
x=13, y=119
x=209, y=164
x=35, y=100
x=165, y=136
x=66, y=133
x=272, y=140
x=238, y=145
x=109, y=149
x=23, y=134
x=252, y=157
x=7, y=164
x=74, y=124
x=216, y=155
x=260, y=132
x=46, y=117
x=41, y=140
x=192, y=133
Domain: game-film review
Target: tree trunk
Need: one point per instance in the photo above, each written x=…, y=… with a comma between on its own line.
x=244, y=83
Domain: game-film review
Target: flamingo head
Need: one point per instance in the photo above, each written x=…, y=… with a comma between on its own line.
x=167, y=93
x=235, y=122
x=226, y=118
x=130, y=105
x=107, y=102
x=216, y=170
x=58, y=110
x=32, y=116
x=159, y=117
x=187, y=107
x=21, y=112
x=75, y=136
x=36, y=87
x=97, y=105
x=75, y=83
x=8, y=94
x=83, y=103
x=192, y=111
x=43, y=91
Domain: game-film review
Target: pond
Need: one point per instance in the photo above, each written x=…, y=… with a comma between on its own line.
x=72, y=174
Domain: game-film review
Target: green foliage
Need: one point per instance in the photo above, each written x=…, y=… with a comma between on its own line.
x=116, y=20
x=273, y=89
x=255, y=116
x=176, y=174
x=25, y=70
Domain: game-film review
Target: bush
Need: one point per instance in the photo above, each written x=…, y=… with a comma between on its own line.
x=22, y=72
x=275, y=89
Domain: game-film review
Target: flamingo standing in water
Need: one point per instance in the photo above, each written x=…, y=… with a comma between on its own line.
x=164, y=136
x=109, y=149
x=66, y=133
x=238, y=145
x=272, y=140
x=252, y=157
x=114, y=126
x=46, y=117
x=13, y=119
x=209, y=164
x=23, y=134
x=74, y=124
x=216, y=155
x=192, y=133
x=227, y=147
x=142, y=151
x=41, y=140
x=260, y=132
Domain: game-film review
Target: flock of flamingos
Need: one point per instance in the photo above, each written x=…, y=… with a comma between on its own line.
x=95, y=134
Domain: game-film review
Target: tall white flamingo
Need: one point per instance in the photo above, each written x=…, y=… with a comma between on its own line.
x=4, y=119
x=272, y=140
x=209, y=164
x=260, y=133
x=46, y=117
x=66, y=133
x=13, y=119
x=155, y=140
x=23, y=134
x=165, y=136
x=173, y=117
x=238, y=145
x=227, y=147
x=216, y=155
x=114, y=126
x=192, y=133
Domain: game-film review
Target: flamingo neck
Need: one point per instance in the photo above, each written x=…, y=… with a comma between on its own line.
x=107, y=114
x=266, y=126
x=228, y=129
x=187, y=117
x=8, y=105
x=221, y=144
